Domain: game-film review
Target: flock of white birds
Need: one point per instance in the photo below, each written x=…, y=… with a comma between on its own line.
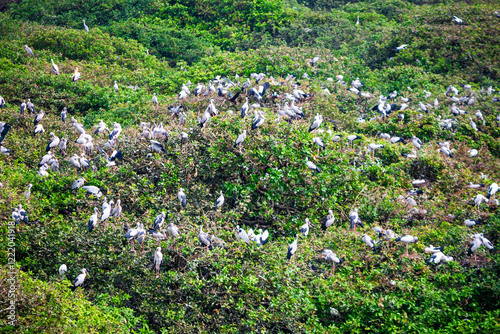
x=255, y=89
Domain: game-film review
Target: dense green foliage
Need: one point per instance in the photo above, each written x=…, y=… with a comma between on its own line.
x=244, y=288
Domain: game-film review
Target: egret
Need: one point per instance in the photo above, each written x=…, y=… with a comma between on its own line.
x=63, y=269
x=85, y=26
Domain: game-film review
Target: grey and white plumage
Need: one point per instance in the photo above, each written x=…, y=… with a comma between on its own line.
x=55, y=68
x=373, y=147
x=480, y=199
x=355, y=220
x=106, y=211
x=457, y=20
x=38, y=118
x=93, y=190
x=492, y=190
x=159, y=220
x=292, y=248
x=27, y=193
x=416, y=142
x=173, y=230
x=318, y=119
x=258, y=120
x=368, y=241
x=28, y=50
x=38, y=129
x=80, y=278
x=23, y=107
x=328, y=221
x=475, y=244
x=437, y=257
x=401, y=47
x=93, y=220
x=318, y=141
x=115, y=86
x=432, y=249
x=304, y=229
x=54, y=142
x=76, y=75
x=311, y=165
x=154, y=99
x=117, y=210
x=471, y=222
x=261, y=238
x=23, y=215
x=157, y=147
x=64, y=113
x=242, y=235
x=204, y=238
x=220, y=201
x=78, y=184
x=182, y=197
x=244, y=108
x=241, y=138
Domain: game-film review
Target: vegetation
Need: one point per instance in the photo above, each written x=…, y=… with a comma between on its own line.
x=245, y=288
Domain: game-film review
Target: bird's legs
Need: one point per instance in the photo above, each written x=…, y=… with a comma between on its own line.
x=133, y=245
x=407, y=249
x=333, y=269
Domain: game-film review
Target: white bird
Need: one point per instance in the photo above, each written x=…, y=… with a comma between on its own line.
x=173, y=230
x=106, y=212
x=220, y=201
x=28, y=50
x=55, y=68
x=159, y=220
x=78, y=184
x=157, y=147
x=93, y=220
x=473, y=153
x=329, y=220
x=318, y=119
x=154, y=99
x=480, y=199
x=401, y=47
x=471, y=222
x=368, y=241
x=475, y=244
x=85, y=26
x=158, y=257
x=204, y=239
x=54, y=142
x=407, y=239
x=63, y=269
x=416, y=142
x=493, y=189
x=242, y=235
x=241, y=138
x=292, y=248
x=437, y=257
x=76, y=75
x=115, y=86
x=80, y=278
x=117, y=210
x=357, y=21
x=311, y=165
x=457, y=20
x=331, y=257
x=432, y=249
x=261, y=238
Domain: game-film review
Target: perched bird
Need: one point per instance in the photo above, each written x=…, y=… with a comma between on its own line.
x=117, y=210
x=78, y=184
x=204, y=239
x=369, y=241
x=85, y=26
x=76, y=75
x=93, y=190
x=93, y=220
x=240, y=139
x=53, y=143
x=64, y=113
x=492, y=190
x=27, y=193
x=28, y=50
x=355, y=220
x=38, y=117
x=432, y=249
x=80, y=278
x=304, y=229
x=401, y=47
x=182, y=198
x=333, y=258
x=115, y=86
x=480, y=199
x=311, y=165
x=292, y=248
x=457, y=20
x=318, y=119
x=159, y=220
x=55, y=68
x=329, y=220
x=154, y=99
x=158, y=257
x=157, y=147
x=407, y=239
x=261, y=238
x=242, y=235
x=416, y=142
x=219, y=201
x=314, y=61
x=63, y=269
x=471, y=222
x=173, y=230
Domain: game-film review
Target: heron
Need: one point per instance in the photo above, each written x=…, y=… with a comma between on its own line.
x=333, y=258
x=292, y=248
x=80, y=278
x=407, y=239
x=93, y=220
x=85, y=27
x=76, y=75
x=220, y=201
x=158, y=257
x=115, y=86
